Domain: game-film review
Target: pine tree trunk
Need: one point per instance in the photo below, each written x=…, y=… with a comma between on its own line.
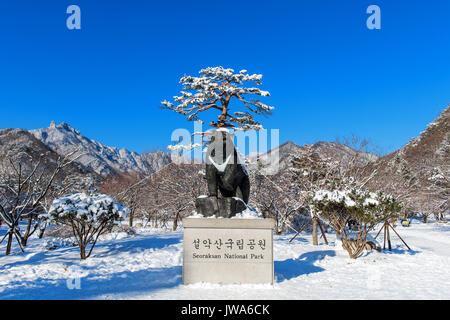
x=314, y=233
x=8, y=246
x=82, y=252
x=24, y=239
x=175, y=222
x=131, y=219
x=283, y=226
x=278, y=225
x=41, y=233
x=323, y=232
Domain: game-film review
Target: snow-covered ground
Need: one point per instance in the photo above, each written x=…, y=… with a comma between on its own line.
x=148, y=266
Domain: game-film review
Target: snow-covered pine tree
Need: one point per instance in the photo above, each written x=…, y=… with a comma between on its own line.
x=363, y=208
x=89, y=215
x=216, y=88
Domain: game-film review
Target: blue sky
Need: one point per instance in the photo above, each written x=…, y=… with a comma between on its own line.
x=329, y=75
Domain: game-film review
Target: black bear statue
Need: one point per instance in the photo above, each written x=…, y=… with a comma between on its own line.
x=225, y=173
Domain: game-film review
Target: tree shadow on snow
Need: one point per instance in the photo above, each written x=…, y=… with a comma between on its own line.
x=297, y=239
x=123, y=284
x=293, y=268
x=70, y=255
x=133, y=244
x=400, y=250
x=44, y=256
x=94, y=285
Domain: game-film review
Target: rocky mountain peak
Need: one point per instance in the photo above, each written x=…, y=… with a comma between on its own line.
x=102, y=159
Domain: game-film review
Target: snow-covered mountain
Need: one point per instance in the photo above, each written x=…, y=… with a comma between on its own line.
x=325, y=150
x=102, y=159
x=420, y=171
x=19, y=145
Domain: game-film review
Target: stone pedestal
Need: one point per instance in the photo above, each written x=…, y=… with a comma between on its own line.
x=228, y=251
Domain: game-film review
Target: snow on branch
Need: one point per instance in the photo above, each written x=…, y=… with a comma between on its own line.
x=89, y=215
x=214, y=89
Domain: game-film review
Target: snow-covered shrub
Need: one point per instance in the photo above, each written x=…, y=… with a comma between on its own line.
x=55, y=243
x=353, y=213
x=87, y=215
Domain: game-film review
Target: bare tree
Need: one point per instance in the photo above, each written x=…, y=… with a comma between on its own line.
x=163, y=196
x=24, y=186
x=276, y=197
x=126, y=189
x=138, y=191
x=312, y=173
x=178, y=185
